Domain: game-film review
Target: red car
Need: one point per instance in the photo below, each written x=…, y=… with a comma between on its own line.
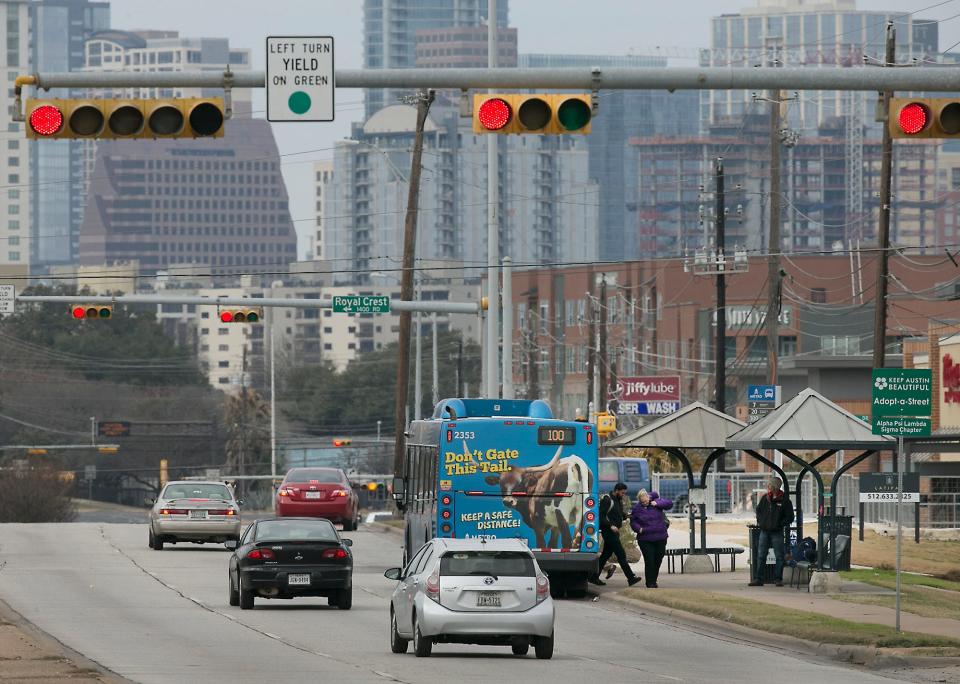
x=318, y=493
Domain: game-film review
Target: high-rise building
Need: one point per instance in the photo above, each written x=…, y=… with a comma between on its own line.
x=390, y=34
x=15, y=164
x=217, y=202
x=60, y=28
x=808, y=33
x=548, y=203
x=463, y=47
x=621, y=116
x=323, y=182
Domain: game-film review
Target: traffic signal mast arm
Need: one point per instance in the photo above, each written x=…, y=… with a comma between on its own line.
x=253, y=302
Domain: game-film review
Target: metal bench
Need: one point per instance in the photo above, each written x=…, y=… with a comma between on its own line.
x=733, y=551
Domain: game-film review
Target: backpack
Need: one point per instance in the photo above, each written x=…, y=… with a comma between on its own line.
x=808, y=550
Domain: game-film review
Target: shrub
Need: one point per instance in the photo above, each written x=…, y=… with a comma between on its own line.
x=35, y=495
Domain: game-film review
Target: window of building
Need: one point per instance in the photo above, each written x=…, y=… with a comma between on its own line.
x=224, y=381
x=818, y=295
x=224, y=347
x=327, y=346
x=223, y=331
x=223, y=364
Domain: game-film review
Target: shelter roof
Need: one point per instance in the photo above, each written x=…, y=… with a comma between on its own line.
x=696, y=426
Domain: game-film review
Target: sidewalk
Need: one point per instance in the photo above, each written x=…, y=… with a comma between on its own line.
x=735, y=584
x=29, y=655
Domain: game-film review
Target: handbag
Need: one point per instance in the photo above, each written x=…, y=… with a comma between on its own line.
x=666, y=520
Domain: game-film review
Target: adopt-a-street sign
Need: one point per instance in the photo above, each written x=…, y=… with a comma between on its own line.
x=901, y=392
x=902, y=426
x=361, y=304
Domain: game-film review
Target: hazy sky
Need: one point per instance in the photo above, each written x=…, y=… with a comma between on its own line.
x=613, y=27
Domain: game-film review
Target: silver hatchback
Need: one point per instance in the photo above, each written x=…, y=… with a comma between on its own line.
x=194, y=511
x=472, y=591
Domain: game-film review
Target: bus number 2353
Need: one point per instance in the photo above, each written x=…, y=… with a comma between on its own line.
x=464, y=435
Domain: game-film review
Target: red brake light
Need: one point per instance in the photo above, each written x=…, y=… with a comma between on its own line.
x=445, y=500
x=335, y=554
x=589, y=438
x=913, y=118
x=543, y=588
x=590, y=502
x=338, y=492
x=46, y=120
x=449, y=435
x=446, y=515
x=433, y=587
x=590, y=516
x=173, y=511
x=261, y=554
x=284, y=491
x=494, y=114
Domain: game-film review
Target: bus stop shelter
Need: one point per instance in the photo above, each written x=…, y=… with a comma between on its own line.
x=811, y=422
x=696, y=426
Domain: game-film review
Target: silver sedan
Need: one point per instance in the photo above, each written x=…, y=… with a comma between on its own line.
x=471, y=591
x=194, y=511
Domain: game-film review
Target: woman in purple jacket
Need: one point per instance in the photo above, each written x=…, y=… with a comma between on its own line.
x=649, y=521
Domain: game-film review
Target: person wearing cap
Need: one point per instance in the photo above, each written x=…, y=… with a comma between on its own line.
x=649, y=520
x=774, y=512
x=611, y=519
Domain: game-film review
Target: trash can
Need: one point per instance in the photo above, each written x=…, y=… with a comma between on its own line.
x=769, y=563
x=842, y=527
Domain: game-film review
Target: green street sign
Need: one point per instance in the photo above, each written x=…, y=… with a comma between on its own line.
x=361, y=304
x=902, y=426
x=901, y=392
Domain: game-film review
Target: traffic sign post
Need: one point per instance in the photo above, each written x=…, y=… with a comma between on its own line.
x=300, y=78
x=361, y=304
x=8, y=297
x=902, y=404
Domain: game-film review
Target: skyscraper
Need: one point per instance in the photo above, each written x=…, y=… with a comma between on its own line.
x=60, y=28
x=390, y=29
x=15, y=164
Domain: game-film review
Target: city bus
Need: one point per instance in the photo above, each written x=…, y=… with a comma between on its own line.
x=503, y=468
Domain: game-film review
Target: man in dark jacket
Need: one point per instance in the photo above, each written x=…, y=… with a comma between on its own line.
x=611, y=519
x=774, y=512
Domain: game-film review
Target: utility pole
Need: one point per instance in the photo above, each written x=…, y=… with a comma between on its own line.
x=424, y=101
x=602, y=348
x=507, y=329
x=720, y=372
x=492, y=375
x=533, y=391
x=418, y=359
x=591, y=352
x=883, y=239
x=460, y=367
x=774, y=243
x=435, y=381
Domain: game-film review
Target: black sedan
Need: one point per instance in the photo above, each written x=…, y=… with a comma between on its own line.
x=288, y=557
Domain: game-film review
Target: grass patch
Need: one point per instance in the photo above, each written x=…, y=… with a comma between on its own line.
x=920, y=595
x=930, y=557
x=771, y=618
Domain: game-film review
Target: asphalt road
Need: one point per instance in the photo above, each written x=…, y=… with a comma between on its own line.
x=163, y=617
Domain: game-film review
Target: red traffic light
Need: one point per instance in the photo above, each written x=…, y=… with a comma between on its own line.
x=341, y=442
x=79, y=312
x=46, y=120
x=494, y=114
x=226, y=317
x=913, y=118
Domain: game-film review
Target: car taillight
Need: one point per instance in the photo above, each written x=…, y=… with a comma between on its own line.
x=227, y=511
x=284, y=492
x=590, y=502
x=445, y=500
x=334, y=554
x=173, y=511
x=543, y=588
x=338, y=492
x=590, y=516
x=433, y=587
x=261, y=554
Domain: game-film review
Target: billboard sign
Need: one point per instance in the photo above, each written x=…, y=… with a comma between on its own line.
x=646, y=388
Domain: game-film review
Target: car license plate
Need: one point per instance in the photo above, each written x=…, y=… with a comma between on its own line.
x=488, y=599
x=313, y=495
x=298, y=579
x=198, y=515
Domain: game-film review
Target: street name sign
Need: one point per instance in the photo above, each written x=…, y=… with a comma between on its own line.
x=882, y=487
x=361, y=304
x=902, y=402
x=7, y=298
x=300, y=78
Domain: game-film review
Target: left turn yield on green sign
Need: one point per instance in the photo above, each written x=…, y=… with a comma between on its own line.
x=300, y=78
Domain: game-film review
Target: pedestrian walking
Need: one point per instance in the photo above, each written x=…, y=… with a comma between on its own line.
x=611, y=520
x=774, y=512
x=649, y=520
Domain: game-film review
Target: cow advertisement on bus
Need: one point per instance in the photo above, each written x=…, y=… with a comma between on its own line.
x=506, y=469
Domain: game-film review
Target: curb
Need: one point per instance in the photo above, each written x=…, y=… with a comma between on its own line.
x=77, y=659
x=867, y=656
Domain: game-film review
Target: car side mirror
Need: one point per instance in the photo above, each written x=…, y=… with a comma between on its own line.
x=393, y=574
x=149, y=501
x=240, y=502
x=347, y=542
x=231, y=544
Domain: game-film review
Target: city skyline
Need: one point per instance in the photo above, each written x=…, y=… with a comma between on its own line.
x=628, y=29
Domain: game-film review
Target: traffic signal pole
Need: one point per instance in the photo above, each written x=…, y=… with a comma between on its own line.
x=492, y=356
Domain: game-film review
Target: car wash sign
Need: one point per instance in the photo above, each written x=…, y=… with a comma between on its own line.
x=650, y=395
x=902, y=401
